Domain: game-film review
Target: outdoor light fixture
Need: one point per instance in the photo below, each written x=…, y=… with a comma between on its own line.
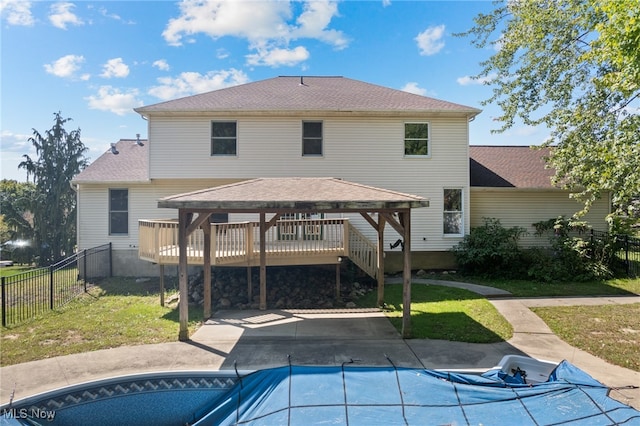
x=396, y=244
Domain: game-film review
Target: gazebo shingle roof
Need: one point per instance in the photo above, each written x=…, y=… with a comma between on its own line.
x=294, y=193
x=290, y=94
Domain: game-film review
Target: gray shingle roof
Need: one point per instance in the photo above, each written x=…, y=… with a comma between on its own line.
x=509, y=167
x=131, y=164
x=296, y=193
x=288, y=94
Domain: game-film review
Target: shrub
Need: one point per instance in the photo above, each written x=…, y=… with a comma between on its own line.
x=490, y=250
x=571, y=257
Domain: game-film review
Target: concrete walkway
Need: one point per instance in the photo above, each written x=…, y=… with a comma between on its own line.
x=252, y=340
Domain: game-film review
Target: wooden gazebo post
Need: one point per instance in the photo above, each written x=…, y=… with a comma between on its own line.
x=380, y=273
x=405, y=219
x=183, y=222
x=263, y=261
x=206, y=227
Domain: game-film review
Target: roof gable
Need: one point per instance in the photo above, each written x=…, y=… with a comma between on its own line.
x=509, y=167
x=335, y=94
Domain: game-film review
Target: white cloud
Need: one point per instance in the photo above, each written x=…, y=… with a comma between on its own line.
x=111, y=99
x=412, y=87
x=62, y=14
x=468, y=80
x=278, y=57
x=189, y=83
x=266, y=25
x=115, y=68
x=14, y=142
x=244, y=19
x=17, y=12
x=65, y=67
x=313, y=23
x=161, y=64
x=497, y=45
x=386, y=3
x=522, y=131
x=430, y=40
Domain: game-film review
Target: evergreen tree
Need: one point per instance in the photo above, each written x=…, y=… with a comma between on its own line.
x=60, y=156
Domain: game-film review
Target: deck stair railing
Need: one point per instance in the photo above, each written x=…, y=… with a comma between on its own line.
x=362, y=251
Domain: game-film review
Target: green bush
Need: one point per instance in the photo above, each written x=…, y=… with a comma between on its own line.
x=573, y=255
x=491, y=250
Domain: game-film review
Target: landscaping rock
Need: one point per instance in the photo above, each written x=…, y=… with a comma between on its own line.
x=304, y=287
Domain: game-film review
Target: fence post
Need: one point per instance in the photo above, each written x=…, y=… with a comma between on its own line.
x=84, y=269
x=626, y=255
x=110, y=261
x=51, y=287
x=4, y=302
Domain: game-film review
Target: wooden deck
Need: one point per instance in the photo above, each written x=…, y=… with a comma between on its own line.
x=289, y=242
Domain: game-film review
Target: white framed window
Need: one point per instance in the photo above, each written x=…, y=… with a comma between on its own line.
x=224, y=138
x=453, y=214
x=118, y=211
x=416, y=140
x=312, y=138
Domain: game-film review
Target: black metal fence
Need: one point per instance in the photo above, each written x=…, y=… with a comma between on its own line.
x=27, y=294
x=626, y=249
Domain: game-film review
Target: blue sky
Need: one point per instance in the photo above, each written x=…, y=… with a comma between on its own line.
x=95, y=61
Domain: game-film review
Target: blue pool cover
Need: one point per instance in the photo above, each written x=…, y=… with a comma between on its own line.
x=350, y=395
x=329, y=395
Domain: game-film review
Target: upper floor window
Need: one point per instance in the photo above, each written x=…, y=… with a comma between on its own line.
x=118, y=211
x=224, y=138
x=452, y=216
x=312, y=138
x=416, y=139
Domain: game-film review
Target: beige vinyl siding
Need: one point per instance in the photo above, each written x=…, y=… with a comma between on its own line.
x=93, y=208
x=367, y=150
x=522, y=208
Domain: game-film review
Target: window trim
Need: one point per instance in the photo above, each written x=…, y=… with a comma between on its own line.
x=461, y=211
x=404, y=139
x=314, y=138
x=211, y=153
x=110, y=221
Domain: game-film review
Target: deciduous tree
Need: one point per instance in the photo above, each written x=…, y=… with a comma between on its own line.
x=573, y=66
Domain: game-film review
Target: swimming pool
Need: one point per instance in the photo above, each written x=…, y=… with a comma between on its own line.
x=341, y=395
x=159, y=398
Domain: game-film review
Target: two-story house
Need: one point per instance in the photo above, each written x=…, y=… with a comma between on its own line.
x=314, y=127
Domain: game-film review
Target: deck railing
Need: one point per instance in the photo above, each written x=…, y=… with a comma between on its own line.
x=239, y=243
x=362, y=251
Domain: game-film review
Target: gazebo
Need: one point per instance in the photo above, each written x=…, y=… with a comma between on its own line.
x=278, y=196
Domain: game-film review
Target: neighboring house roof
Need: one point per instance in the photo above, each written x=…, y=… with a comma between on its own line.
x=294, y=193
x=130, y=164
x=304, y=94
x=509, y=167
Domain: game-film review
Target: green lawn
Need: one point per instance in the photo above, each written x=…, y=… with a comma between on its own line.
x=12, y=270
x=445, y=313
x=124, y=312
x=610, y=332
x=117, y=312
x=524, y=288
